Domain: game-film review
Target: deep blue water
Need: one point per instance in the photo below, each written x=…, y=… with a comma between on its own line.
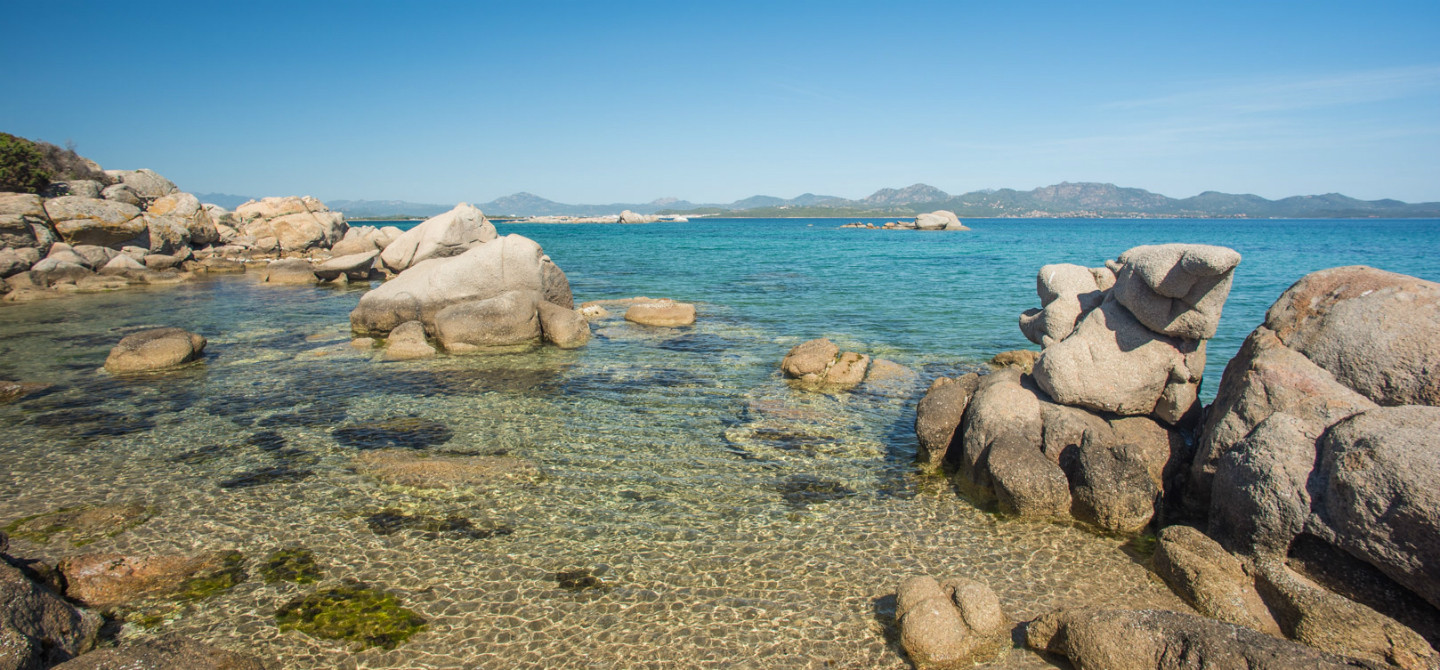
x=936, y=297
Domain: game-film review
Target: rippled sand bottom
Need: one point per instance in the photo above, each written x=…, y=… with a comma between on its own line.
x=732, y=522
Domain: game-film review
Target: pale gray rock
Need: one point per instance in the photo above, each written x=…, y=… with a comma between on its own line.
x=1211, y=580
x=1001, y=410
x=38, y=629
x=154, y=349
x=1259, y=500
x=509, y=263
x=1380, y=471
x=62, y=253
x=161, y=261
x=1373, y=330
x=121, y=193
x=105, y=223
x=628, y=216
x=510, y=319
x=1263, y=378
x=565, y=328
x=357, y=240
x=1112, y=363
x=939, y=220
x=145, y=183
x=1310, y=614
x=200, y=228
x=938, y=416
x=289, y=271
x=275, y=207
x=19, y=212
x=809, y=359
x=407, y=342
x=354, y=266
x=557, y=286
x=950, y=624
x=122, y=263
x=1067, y=292
x=442, y=236
x=1161, y=640
x=1176, y=289
x=12, y=263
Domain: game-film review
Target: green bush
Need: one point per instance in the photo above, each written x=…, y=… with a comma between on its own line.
x=20, y=166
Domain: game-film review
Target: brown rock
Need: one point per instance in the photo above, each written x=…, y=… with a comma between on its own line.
x=1024, y=359
x=108, y=580
x=37, y=627
x=1201, y=572
x=172, y=652
x=665, y=313
x=939, y=414
x=952, y=624
x=154, y=350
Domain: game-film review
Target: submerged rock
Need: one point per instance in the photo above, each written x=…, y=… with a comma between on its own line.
x=352, y=613
x=155, y=350
x=294, y=564
x=454, y=526
x=950, y=624
x=409, y=432
x=819, y=365
x=107, y=580
x=82, y=525
x=171, y=651
x=423, y=470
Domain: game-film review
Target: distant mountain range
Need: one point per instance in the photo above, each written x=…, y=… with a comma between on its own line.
x=1088, y=200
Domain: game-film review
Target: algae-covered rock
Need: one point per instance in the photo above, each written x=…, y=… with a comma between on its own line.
x=354, y=613
x=80, y=525
x=294, y=564
x=409, y=432
x=106, y=580
x=454, y=526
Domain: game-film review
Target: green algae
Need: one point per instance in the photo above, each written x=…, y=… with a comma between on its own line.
x=230, y=572
x=81, y=525
x=354, y=613
x=1142, y=545
x=294, y=564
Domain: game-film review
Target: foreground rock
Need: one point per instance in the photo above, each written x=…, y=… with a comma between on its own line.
x=38, y=629
x=947, y=625
x=664, y=313
x=171, y=651
x=109, y=580
x=449, y=234
x=1160, y=640
x=1215, y=583
x=819, y=365
x=407, y=342
x=155, y=350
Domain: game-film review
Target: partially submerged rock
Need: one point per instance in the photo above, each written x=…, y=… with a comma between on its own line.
x=950, y=624
x=819, y=365
x=289, y=271
x=664, y=312
x=171, y=651
x=939, y=220
x=938, y=416
x=155, y=349
x=108, y=580
x=407, y=342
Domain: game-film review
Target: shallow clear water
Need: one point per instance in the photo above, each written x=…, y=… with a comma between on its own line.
x=735, y=522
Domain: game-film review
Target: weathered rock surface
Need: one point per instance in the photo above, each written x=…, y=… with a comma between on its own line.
x=509, y=263
x=449, y=234
x=1176, y=289
x=820, y=365
x=1380, y=473
x=1113, y=363
x=121, y=193
x=506, y=320
x=145, y=183
x=1113, y=487
x=1214, y=582
x=291, y=223
x=564, y=328
x=354, y=266
x=362, y=239
x=19, y=214
x=939, y=220
x=172, y=652
x=38, y=629
x=1001, y=411
x=185, y=209
x=1021, y=359
x=938, y=416
x=1373, y=330
x=951, y=624
x=1067, y=292
x=154, y=350
x=93, y=221
x=289, y=271
x=1160, y=640
x=108, y=580
x=664, y=312
x=407, y=342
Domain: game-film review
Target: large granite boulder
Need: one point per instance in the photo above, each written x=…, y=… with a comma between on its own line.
x=564, y=328
x=1161, y=640
x=291, y=223
x=1113, y=363
x=1067, y=292
x=507, y=320
x=1380, y=473
x=154, y=350
x=364, y=239
x=165, y=653
x=106, y=223
x=939, y=220
x=1212, y=580
x=442, y=236
x=20, y=214
x=1176, y=289
x=1373, y=330
x=509, y=263
x=950, y=624
x=353, y=266
x=144, y=183
x=185, y=209
x=939, y=415
x=38, y=629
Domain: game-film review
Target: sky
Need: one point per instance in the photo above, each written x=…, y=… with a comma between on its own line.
x=601, y=102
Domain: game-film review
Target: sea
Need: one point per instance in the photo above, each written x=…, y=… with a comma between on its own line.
x=687, y=509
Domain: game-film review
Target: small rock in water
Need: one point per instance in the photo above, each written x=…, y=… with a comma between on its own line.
x=81, y=525
x=579, y=580
x=12, y=391
x=155, y=350
x=409, y=432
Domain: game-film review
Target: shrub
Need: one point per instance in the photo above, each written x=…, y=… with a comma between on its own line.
x=21, y=165
x=64, y=164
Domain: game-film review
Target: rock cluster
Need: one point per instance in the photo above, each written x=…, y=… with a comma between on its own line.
x=1091, y=433
x=819, y=365
x=937, y=220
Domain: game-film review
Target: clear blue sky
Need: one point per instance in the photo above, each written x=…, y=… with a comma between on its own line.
x=627, y=102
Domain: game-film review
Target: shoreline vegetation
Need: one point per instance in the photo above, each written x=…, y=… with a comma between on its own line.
x=1294, y=516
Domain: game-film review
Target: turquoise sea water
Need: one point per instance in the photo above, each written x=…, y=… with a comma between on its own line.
x=730, y=520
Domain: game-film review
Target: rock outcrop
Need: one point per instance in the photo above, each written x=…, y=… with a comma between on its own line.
x=819, y=365
x=155, y=349
x=485, y=298
x=449, y=234
x=950, y=624
x=939, y=415
x=290, y=223
x=939, y=220
x=628, y=216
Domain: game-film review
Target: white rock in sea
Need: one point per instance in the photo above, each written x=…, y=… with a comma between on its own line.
x=442, y=236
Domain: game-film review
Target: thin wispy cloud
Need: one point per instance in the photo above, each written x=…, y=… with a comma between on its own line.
x=1273, y=94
